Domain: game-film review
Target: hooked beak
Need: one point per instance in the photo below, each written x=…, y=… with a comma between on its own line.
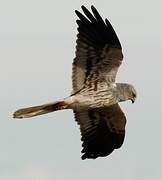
x=133, y=100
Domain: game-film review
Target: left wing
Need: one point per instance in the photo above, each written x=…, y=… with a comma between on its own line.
x=98, y=50
x=102, y=130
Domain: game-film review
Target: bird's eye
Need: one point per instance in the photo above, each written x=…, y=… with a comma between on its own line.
x=134, y=95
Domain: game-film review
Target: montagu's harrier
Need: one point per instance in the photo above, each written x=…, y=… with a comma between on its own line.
x=95, y=95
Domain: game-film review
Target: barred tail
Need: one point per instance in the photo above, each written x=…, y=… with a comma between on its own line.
x=39, y=110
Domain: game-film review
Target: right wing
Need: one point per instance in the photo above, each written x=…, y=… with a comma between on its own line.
x=102, y=130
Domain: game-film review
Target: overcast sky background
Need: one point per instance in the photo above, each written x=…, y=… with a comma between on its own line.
x=37, y=46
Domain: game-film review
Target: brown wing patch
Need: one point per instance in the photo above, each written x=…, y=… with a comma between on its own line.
x=102, y=130
x=82, y=65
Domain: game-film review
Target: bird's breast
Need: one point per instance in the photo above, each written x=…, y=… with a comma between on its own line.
x=91, y=98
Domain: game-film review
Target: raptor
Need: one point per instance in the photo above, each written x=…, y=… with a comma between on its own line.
x=96, y=95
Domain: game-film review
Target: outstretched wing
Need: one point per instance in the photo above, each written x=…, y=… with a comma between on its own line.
x=98, y=50
x=102, y=130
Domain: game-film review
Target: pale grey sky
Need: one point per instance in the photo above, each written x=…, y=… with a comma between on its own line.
x=37, y=45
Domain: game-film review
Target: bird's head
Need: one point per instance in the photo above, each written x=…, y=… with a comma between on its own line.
x=132, y=93
x=126, y=92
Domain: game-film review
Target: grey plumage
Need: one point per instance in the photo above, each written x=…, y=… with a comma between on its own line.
x=95, y=95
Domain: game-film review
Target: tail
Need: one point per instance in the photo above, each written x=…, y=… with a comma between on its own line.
x=39, y=110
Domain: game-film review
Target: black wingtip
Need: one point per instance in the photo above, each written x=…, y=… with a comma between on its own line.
x=83, y=7
x=77, y=12
x=99, y=31
x=94, y=9
x=80, y=15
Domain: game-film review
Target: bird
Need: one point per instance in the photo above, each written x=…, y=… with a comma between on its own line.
x=96, y=95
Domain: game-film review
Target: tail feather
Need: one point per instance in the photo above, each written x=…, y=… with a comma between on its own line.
x=39, y=110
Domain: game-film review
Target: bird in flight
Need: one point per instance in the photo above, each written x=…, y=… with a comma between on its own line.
x=96, y=95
